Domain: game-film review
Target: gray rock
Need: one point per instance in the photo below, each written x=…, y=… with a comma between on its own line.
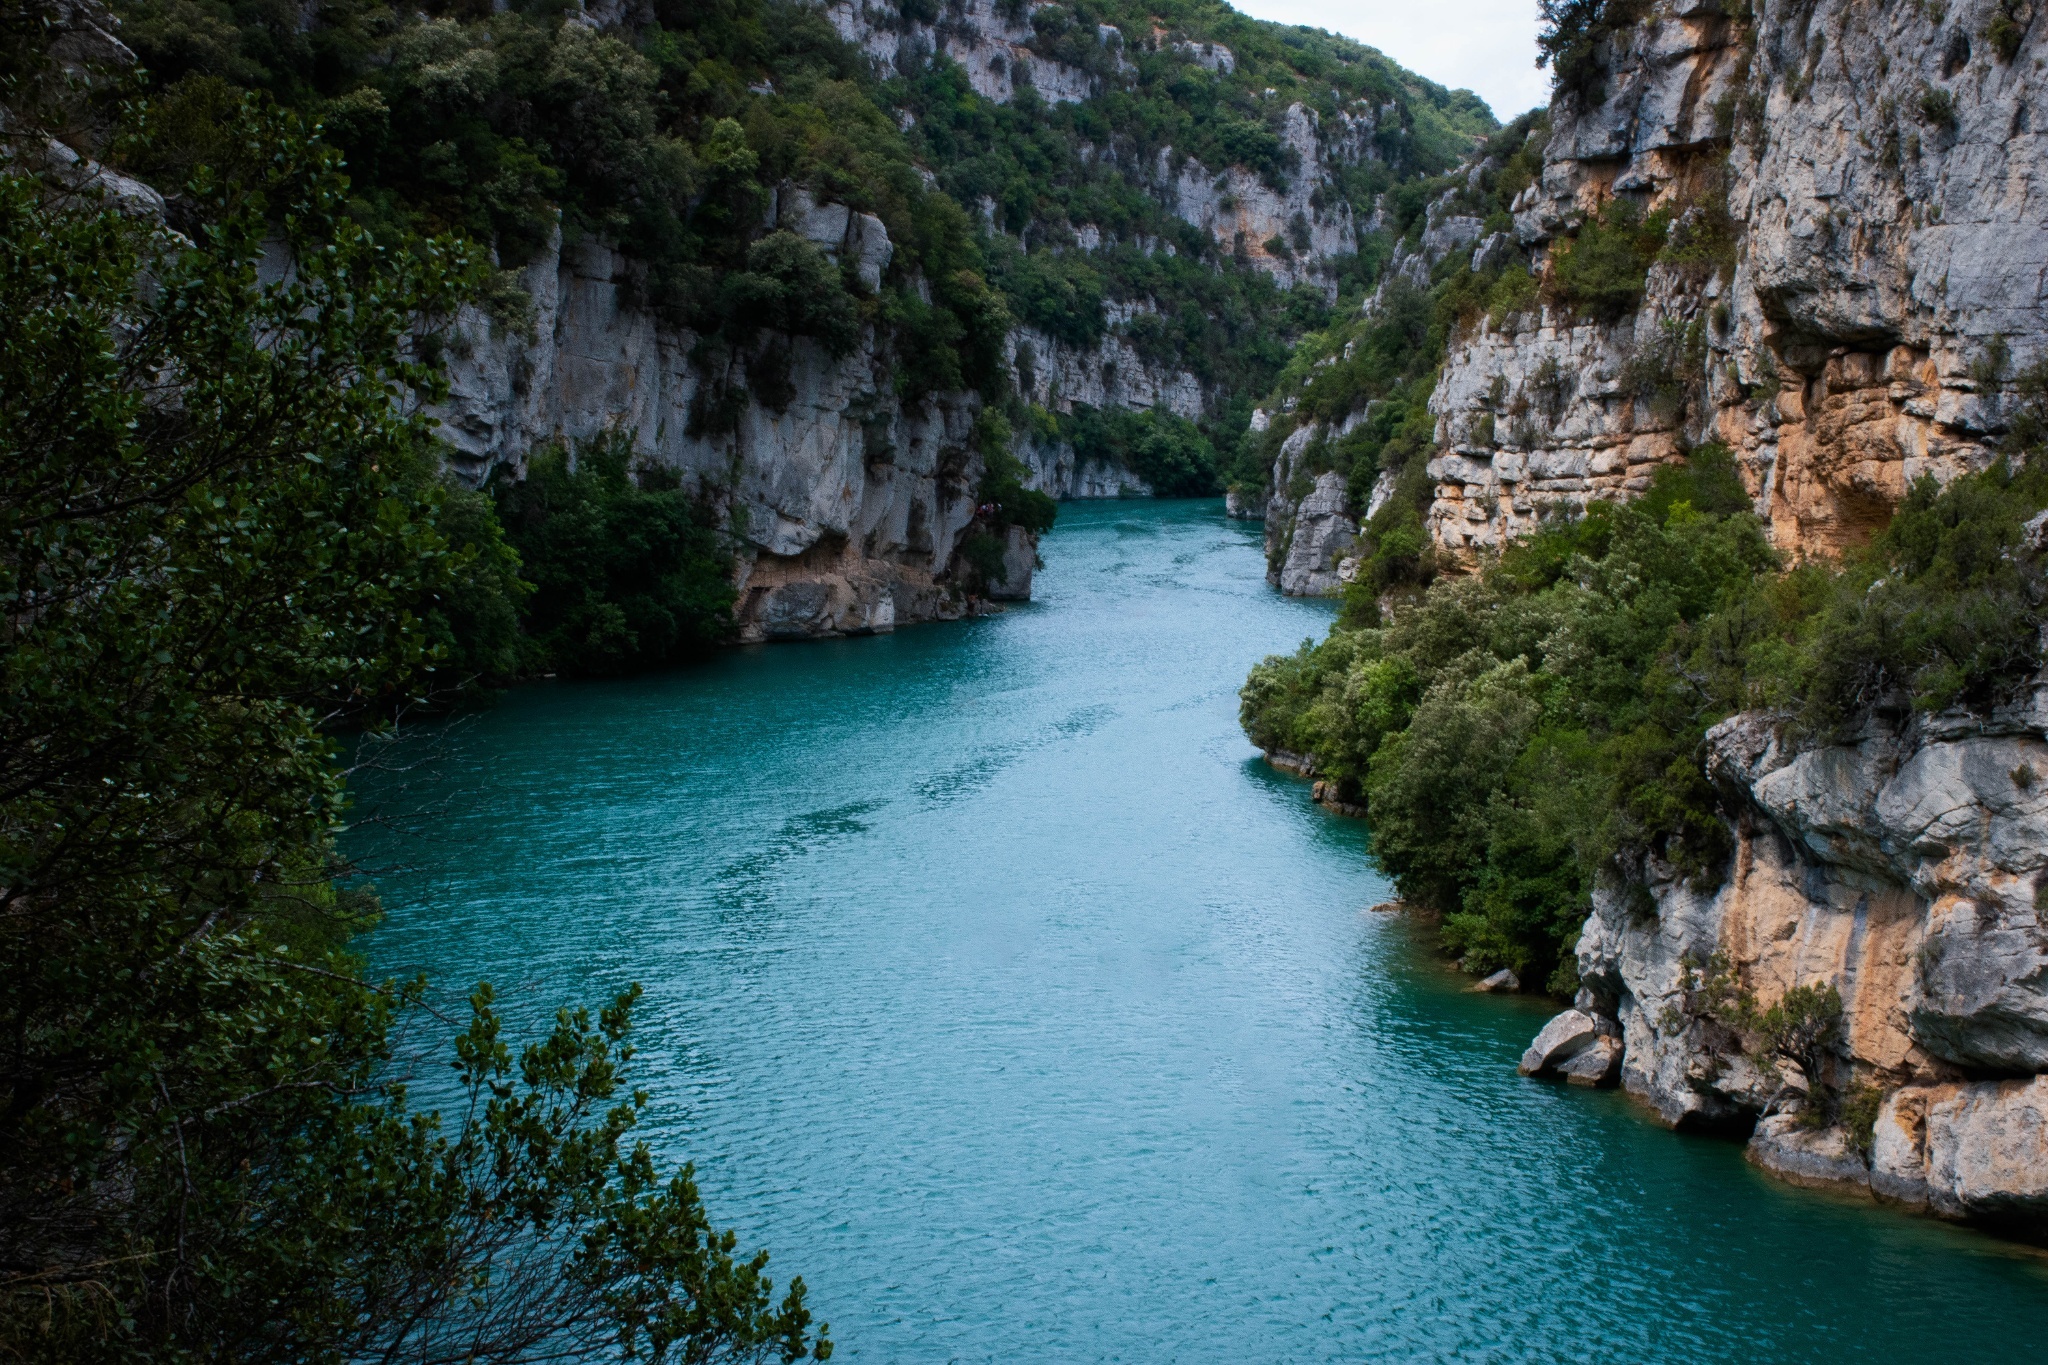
x=1563, y=1038
x=1596, y=1067
x=1874, y=317
x=1818, y=1157
x=1975, y=1150
x=1501, y=982
x=1020, y=560
x=1321, y=532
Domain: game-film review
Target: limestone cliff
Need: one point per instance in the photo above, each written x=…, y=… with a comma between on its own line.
x=1885, y=896
x=849, y=505
x=1880, y=171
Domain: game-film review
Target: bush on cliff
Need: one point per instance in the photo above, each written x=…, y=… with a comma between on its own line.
x=1168, y=452
x=1602, y=271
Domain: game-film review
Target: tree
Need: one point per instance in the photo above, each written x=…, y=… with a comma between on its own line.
x=221, y=537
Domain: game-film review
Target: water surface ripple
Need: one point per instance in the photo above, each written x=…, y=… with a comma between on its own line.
x=996, y=987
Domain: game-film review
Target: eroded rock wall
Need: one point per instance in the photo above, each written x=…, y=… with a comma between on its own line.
x=1883, y=170
x=1904, y=871
x=847, y=505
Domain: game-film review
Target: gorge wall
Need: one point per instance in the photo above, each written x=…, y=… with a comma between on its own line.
x=1903, y=872
x=1855, y=201
x=1866, y=325
x=1880, y=168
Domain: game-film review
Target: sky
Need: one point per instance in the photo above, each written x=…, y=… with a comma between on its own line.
x=1483, y=45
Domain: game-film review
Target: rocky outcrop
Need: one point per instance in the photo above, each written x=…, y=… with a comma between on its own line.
x=1885, y=894
x=848, y=507
x=1881, y=170
x=1966, y=1151
x=1312, y=519
x=1288, y=230
x=1058, y=376
x=1314, y=536
x=1054, y=469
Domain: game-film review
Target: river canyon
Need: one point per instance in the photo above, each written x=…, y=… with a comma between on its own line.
x=997, y=985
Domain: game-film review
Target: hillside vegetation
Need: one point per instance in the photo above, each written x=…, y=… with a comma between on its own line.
x=1520, y=733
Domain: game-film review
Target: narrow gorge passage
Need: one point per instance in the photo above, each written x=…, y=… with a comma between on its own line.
x=998, y=987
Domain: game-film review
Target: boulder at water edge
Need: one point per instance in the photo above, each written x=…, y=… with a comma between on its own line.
x=1562, y=1038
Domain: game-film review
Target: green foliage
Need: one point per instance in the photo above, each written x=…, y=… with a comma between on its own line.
x=1170, y=453
x=1944, y=609
x=1004, y=498
x=1667, y=368
x=1702, y=240
x=1601, y=272
x=1518, y=734
x=982, y=552
x=1860, y=1108
x=1801, y=1025
x=1552, y=708
x=1937, y=107
x=2007, y=28
x=1572, y=39
x=628, y=570
x=217, y=542
x=1383, y=364
x=669, y=135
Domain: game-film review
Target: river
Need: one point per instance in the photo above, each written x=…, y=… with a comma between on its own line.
x=997, y=987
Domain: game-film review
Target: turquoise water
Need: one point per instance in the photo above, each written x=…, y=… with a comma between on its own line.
x=997, y=987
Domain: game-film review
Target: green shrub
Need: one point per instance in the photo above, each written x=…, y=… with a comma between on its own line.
x=1515, y=293
x=224, y=541
x=1860, y=1108
x=629, y=571
x=1168, y=452
x=1002, y=480
x=1519, y=733
x=1937, y=107
x=982, y=552
x=1571, y=39
x=1602, y=271
x=2007, y=29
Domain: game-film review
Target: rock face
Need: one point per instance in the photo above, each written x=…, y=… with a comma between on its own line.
x=1977, y=1151
x=849, y=506
x=1288, y=230
x=1316, y=536
x=1903, y=872
x=1882, y=173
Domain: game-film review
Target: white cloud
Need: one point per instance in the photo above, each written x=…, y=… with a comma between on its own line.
x=1488, y=46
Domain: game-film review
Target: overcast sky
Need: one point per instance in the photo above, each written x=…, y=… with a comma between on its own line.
x=1483, y=45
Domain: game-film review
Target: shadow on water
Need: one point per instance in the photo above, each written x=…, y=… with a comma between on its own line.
x=999, y=988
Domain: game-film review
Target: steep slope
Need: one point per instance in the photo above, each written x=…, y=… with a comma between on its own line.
x=1846, y=290
x=1807, y=231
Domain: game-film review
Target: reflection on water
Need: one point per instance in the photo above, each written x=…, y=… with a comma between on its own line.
x=998, y=989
